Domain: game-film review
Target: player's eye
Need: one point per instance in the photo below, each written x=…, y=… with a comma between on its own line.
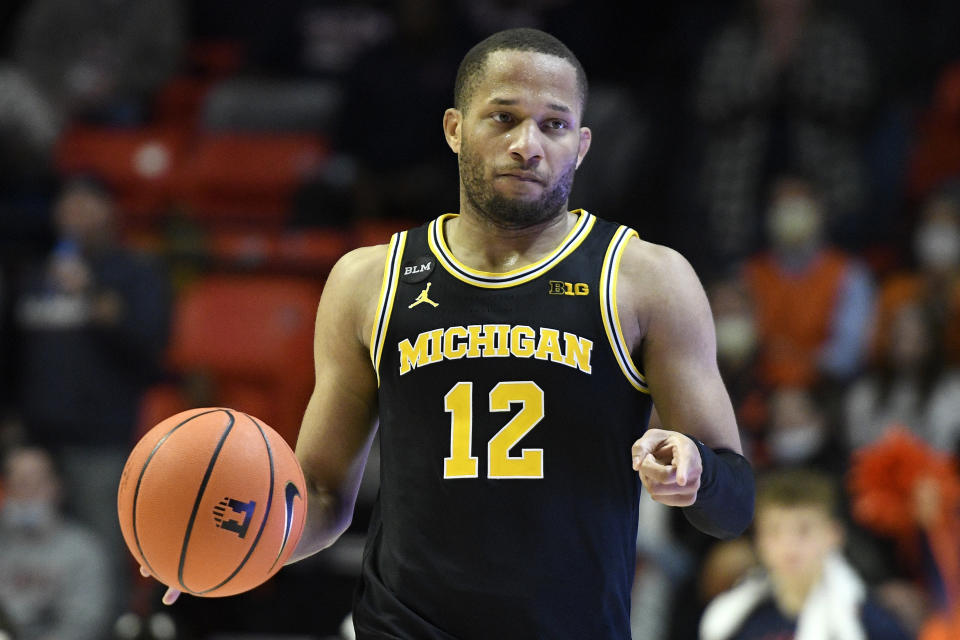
x=502, y=117
x=555, y=124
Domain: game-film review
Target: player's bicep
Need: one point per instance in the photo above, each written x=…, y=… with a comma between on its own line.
x=340, y=415
x=679, y=357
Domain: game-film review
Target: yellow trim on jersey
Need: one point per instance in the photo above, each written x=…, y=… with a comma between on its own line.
x=388, y=291
x=608, y=308
x=493, y=280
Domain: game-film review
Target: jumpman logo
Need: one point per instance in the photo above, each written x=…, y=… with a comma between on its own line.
x=423, y=297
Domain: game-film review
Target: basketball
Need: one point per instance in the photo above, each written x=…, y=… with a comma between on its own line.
x=212, y=502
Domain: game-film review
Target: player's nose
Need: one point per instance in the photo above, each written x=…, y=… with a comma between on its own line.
x=526, y=144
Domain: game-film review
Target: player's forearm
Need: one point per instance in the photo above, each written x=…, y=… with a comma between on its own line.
x=330, y=500
x=724, y=506
x=327, y=518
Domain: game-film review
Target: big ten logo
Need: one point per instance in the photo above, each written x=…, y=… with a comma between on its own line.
x=561, y=288
x=243, y=509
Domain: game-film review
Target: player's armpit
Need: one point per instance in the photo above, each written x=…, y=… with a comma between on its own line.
x=339, y=420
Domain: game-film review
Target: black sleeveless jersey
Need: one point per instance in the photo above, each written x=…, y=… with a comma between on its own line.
x=508, y=407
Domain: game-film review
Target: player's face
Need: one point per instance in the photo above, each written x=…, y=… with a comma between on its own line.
x=793, y=542
x=519, y=139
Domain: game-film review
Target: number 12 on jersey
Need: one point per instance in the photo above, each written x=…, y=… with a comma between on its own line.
x=500, y=464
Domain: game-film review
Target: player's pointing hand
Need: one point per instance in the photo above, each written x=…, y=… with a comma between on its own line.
x=669, y=466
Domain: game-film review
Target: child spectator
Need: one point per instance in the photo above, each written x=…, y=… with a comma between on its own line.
x=806, y=590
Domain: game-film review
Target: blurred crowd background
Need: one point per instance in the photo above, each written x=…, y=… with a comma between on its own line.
x=176, y=179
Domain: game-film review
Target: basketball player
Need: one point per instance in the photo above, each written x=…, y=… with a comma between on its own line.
x=512, y=354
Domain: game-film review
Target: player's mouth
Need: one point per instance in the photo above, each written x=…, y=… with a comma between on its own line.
x=522, y=176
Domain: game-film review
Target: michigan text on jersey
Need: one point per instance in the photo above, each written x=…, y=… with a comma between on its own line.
x=495, y=341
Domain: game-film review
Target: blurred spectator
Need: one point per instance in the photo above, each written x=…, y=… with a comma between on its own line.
x=100, y=58
x=806, y=589
x=406, y=168
x=54, y=574
x=93, y=322
x=935, y=284
x=908, y=385
x=936, y=149
x=786, y=85
x=662, y=565
x=800, y=433
x=29, y=126
x=735, y=320
x=813, y=302
x=902, y=488
x=295, y=38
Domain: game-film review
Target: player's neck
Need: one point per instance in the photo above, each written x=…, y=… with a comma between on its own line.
x=482, y=245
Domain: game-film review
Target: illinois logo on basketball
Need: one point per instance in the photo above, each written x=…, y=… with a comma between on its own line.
x=244, y=509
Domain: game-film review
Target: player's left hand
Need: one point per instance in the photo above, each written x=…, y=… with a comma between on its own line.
x=170, y=595
x=669, y=466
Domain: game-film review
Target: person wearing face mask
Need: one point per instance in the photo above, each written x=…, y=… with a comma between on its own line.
x=91, y=321
x=798, y=433
x=813, y=302
x=908, y=383
x=735, y=320
x=934, y=284
x=54, y=577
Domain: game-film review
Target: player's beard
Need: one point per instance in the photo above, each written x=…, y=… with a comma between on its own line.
x=511, y=213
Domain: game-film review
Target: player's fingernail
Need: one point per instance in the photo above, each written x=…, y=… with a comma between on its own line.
x=636, y=462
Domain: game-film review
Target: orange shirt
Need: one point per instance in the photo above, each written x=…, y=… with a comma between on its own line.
x=904, y=289
x=794, y=314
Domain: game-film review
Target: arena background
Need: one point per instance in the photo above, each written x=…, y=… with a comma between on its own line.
x=247, y=145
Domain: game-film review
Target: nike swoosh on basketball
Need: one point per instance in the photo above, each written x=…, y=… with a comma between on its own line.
x=291, y=492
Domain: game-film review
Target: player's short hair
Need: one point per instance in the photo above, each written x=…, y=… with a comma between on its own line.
x=522, y=39
x=798, y=488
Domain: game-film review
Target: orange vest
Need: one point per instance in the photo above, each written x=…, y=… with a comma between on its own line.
x=794, y=314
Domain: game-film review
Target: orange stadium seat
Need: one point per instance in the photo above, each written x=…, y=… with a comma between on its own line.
x=247, y=178
x=312, y=250
x=179, y=101
x=138, y=163
x=247, y=250
x=159, y=403
x=371, y=231
x=253, y=336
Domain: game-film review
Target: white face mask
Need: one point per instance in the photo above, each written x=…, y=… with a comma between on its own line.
x=736, y=337
x=938, y=245
x=30, y=515
x=796, y=444
x=793, y=221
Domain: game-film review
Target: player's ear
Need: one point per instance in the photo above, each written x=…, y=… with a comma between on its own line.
x=585, y=137
x=452, y=119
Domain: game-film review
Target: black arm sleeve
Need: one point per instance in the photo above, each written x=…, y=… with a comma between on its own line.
x=724, y=506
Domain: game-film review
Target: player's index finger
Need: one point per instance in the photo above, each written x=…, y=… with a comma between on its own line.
x=682, y=459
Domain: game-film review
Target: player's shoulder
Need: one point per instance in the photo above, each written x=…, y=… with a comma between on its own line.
x=655, y=265
x=360, y=268
x=657, y=282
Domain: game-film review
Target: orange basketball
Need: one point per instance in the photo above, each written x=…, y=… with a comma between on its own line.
x=212, y=502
